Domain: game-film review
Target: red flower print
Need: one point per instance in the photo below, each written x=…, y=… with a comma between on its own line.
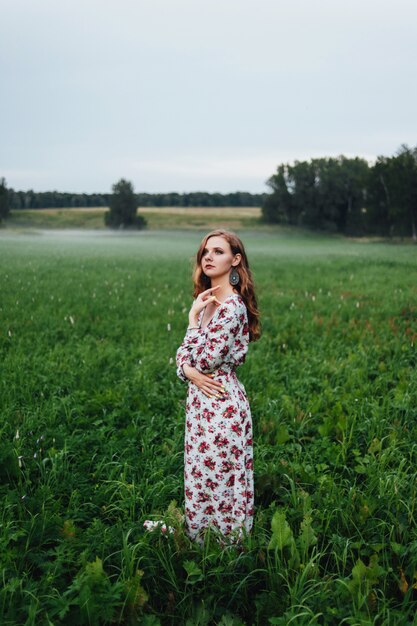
x=211, y=484
x=224, y=507
x=229, y=412
x=196, y=472
x=203, y=497
x=227, y=466
x=236, y=428
x=236, y=451
x=208, y=462
x=220, y=441
x=207, y=415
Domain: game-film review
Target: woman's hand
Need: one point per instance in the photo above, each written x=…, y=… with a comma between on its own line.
x=211, y=388
x=200, y=302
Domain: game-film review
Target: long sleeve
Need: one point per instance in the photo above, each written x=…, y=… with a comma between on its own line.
x=186, y=351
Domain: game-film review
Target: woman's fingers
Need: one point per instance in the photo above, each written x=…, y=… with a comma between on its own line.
x=215, y=384
x=213, y=392
x=207, y=293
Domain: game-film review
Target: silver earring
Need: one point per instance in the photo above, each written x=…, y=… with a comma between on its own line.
x=234, y=277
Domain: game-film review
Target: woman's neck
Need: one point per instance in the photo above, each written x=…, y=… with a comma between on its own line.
x=224, y=292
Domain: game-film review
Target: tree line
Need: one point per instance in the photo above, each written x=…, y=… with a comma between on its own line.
x=347, y=195
x=57, y=199
x=344, y=195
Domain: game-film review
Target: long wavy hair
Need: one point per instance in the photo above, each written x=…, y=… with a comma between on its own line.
x=245, y=287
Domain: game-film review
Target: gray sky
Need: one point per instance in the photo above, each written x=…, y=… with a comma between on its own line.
x=185, y=95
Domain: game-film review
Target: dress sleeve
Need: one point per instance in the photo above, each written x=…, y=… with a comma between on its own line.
x=186, y=351
x=225, y=341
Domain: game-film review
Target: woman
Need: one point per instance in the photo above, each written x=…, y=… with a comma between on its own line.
x=218, y=458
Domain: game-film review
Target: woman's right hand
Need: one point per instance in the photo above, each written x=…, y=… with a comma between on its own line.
x=201, y=301
x=211, y=388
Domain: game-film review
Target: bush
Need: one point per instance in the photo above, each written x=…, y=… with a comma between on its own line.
x=4, y=200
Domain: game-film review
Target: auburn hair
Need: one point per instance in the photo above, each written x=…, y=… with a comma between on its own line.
x=245, y=287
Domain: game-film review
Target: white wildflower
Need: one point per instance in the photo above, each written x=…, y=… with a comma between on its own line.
x=168, y=327
x=151, y=526
x=71, y=319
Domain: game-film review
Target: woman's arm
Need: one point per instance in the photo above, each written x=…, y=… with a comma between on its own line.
x=186, y=352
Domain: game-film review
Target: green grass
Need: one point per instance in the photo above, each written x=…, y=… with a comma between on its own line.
x=92, y=427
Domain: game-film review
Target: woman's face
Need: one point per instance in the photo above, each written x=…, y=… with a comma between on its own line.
x=217, y=258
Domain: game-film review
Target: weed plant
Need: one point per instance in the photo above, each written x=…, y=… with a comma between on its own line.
x=92, y=428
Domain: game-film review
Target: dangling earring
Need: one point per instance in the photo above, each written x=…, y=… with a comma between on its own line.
x=234, y=277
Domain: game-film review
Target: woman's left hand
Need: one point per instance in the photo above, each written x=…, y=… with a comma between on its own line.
x=201, y=301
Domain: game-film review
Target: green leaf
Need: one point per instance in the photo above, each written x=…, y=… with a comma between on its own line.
x=307, y=537
x=194, y=572
x=281, y=532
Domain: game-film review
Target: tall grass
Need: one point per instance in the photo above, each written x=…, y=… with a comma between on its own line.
x=92, y=427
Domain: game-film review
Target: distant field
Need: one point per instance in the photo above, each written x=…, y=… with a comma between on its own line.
x=158, y=218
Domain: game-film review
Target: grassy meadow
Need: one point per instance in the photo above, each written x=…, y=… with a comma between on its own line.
x=92, y=428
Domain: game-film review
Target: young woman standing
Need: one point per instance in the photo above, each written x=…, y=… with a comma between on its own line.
x=218, y=456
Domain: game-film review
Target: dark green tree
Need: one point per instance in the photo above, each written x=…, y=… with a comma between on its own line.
x=278, y=207
x=393, y=193
x=326, y=193
x=4, y=200
x=123, y=207
x=341, y=192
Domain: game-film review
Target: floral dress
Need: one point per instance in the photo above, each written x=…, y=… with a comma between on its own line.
x=218, y=455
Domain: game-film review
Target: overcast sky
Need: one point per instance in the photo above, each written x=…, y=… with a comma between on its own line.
x=186, y=95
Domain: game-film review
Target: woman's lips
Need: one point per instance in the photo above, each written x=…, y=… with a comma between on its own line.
x=209, y=266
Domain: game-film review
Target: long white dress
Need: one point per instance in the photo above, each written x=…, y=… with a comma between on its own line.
x=218, y=453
